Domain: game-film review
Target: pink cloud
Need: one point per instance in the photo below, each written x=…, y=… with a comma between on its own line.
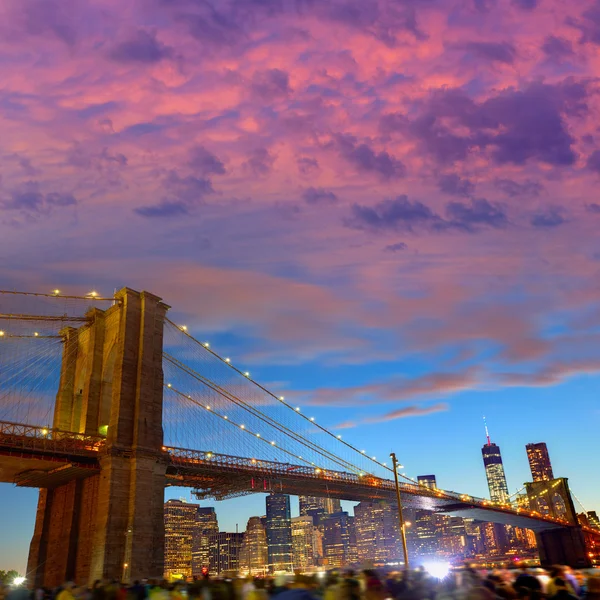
x=401, y=413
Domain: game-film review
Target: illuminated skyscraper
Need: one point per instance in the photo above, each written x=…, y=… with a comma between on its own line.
x=317, y=507
x=228, y=547
x=303, y=542
x=336, y=539
x=204, y=543
x=494, y=471
x=253, y=553
x=180, y=525
x=377, y=533
x=424, y=531
x=539, y=462
x=279, y=533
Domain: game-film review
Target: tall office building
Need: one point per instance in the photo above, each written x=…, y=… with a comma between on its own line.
x=336, y=539
x=228, y=547
x=377, y=532
x=303, y=543
x=253, y=552
x=279, y=533
x=180, y=524
x=318, y=507
x=204, y=544
x=425, y=538
x=539, y=462
x=494, y=471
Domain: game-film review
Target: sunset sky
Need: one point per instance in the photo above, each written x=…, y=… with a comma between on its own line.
x=387, y=209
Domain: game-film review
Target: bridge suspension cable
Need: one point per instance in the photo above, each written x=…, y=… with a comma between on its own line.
x=245, y=429
x=264, y=417
x=280, y=400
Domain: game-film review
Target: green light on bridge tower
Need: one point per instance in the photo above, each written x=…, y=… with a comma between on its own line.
x=103, y=430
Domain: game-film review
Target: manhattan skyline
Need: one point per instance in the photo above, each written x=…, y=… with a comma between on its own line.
x=385, y=211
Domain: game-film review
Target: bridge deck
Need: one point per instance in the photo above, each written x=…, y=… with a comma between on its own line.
x=37, y=457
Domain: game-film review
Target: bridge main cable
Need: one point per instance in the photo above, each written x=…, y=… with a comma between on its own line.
x=280, y=399
x=261, y=416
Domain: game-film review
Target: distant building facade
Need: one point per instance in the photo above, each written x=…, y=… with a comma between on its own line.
x=180, y=525
x=318, y=507
x=377, y=532
x=228, y=547
x=204, y=543
x=539, y=462
x=336, y=539
x=303, y=543
x=279, y=533
x=253, y=552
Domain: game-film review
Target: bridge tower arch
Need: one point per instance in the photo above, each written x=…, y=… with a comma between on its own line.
x=110, y=524
x=561, y=545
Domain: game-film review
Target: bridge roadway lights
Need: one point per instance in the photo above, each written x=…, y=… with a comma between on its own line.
x=111, y=374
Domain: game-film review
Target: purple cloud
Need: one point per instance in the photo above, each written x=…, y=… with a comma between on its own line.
x=141, y=47
x=271, y=84
x=260, y=162
x=516, y=125
x=307, y=166
x=593, y=162
x=593, y=207
x=550, y=217
x=398, y=247
x=364, y=158
x=163, y=209
x=493, y=51
x=476, y=213
x=204, y=162
x=455, y=185
x=394, y=214
x=515, y=189
x=319, y=196
x=557, y=48
x=526, y=4
x=29, y=200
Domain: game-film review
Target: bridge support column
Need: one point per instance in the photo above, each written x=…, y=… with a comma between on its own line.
x=564, y=546
x=109, y=525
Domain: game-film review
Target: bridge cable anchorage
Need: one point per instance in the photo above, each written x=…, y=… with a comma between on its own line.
x=282, y=401
x=260, y=415
x=242, y=427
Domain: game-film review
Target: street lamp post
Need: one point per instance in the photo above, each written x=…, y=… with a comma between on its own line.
x=400, y=517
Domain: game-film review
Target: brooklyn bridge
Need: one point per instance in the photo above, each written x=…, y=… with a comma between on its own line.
x=105, y=401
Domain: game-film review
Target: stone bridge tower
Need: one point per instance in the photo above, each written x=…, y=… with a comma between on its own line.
x=110, y=524
x=563, y=545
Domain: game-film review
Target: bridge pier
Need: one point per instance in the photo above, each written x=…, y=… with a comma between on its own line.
x=109, y=525
x=563, y=546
